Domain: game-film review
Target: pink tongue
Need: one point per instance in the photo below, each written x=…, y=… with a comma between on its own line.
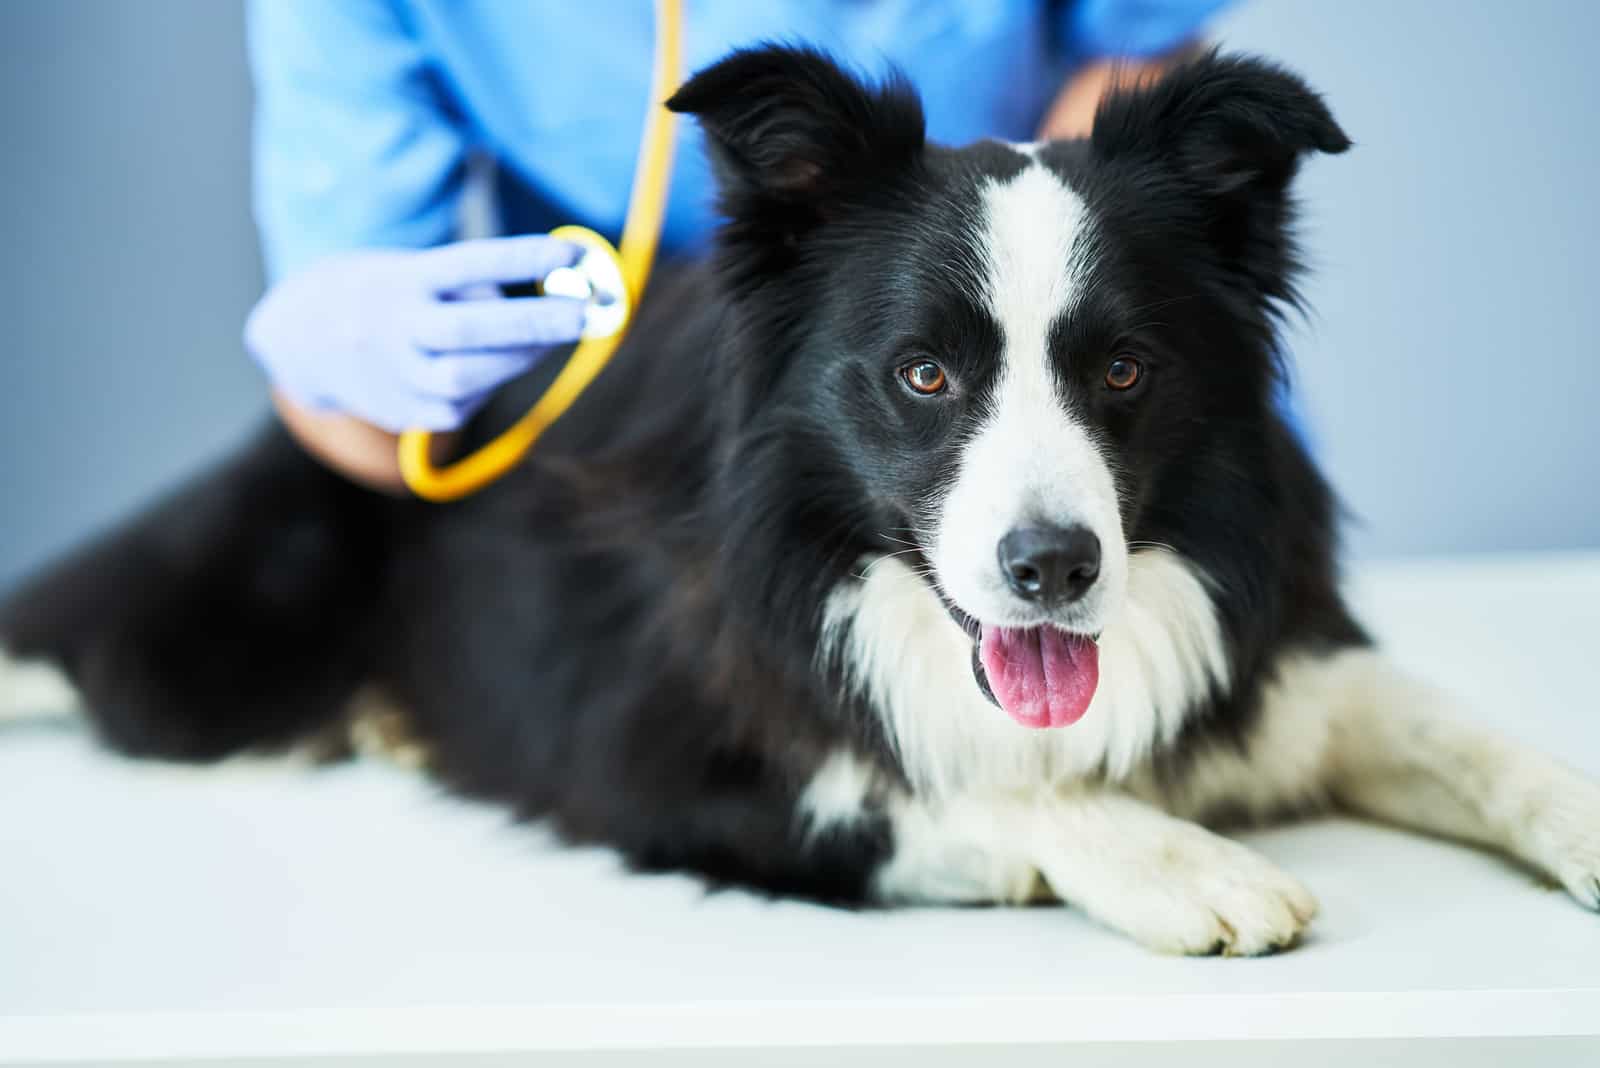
x=1042, y=677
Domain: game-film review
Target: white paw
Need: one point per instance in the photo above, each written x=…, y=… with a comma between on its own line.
x=1195, y=893
x=1563, y=834
x=34, y=690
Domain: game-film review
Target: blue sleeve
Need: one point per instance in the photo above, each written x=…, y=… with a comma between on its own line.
x=1137, y=29
x=355, y=143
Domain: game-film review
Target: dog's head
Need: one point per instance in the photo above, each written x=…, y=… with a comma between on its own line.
x=1017, y=362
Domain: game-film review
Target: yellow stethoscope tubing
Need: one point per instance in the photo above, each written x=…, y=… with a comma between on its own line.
x=641, y=233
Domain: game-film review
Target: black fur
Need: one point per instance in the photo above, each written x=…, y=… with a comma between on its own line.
x=622, y=636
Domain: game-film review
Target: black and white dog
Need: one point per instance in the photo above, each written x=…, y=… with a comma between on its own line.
x=939, y=540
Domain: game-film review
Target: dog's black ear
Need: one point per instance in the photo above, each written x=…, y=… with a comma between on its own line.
x=1229, y=134
x=1230, y=124
x=788, y=129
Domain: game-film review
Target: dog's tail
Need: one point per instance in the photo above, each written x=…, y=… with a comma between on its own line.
x=238, y=614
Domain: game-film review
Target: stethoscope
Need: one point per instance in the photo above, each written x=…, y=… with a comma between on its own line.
x=609, y=280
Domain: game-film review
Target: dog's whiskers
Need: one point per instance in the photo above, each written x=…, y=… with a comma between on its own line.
x=1152, y=545
x=888, y=535
x=890, y=556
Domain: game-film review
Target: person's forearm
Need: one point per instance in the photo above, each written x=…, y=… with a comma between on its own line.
x=355, y=449
x=1072, y=113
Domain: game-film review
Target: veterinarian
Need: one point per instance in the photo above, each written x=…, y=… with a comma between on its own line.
x=378, y=318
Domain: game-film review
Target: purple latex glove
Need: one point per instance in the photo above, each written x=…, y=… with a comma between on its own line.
x=412, y=338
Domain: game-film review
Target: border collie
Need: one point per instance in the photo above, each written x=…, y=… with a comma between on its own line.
x=938, y=539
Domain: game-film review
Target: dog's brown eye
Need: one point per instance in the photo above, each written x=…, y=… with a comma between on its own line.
x=924, y=377
x=1123, y=372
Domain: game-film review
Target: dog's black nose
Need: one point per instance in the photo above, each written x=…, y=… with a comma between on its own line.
x=1051, y=565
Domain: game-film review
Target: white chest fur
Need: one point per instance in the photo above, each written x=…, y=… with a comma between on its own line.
x=1160, y=655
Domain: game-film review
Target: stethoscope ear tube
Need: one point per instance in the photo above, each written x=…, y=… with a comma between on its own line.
x=610, y=280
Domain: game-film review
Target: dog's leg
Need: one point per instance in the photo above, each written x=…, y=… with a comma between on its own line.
x=1351, y=730
x=1172, y=885
x=239, y=614
x=34, y=691
x=1397, y=752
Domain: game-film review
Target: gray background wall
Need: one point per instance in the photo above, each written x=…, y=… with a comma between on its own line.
x=1450, y=372
x=127, y=258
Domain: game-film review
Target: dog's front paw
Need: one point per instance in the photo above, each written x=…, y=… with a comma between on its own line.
x=1563, y=831
x=1195, y=893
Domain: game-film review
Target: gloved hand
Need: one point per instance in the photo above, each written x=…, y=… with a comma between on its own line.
x=412, y=338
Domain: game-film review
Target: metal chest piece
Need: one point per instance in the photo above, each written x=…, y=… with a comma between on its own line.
x=596, y=279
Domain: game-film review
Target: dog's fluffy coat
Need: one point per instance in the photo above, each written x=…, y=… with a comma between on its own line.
x=724, y=617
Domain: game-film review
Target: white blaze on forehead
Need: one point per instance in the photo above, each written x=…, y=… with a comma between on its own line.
x=1035, y=246
x=1032, y=461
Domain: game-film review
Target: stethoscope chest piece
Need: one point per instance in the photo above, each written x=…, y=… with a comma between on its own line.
x=596, y=279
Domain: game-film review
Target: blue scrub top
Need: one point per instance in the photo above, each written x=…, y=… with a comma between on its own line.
x=367, y=110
